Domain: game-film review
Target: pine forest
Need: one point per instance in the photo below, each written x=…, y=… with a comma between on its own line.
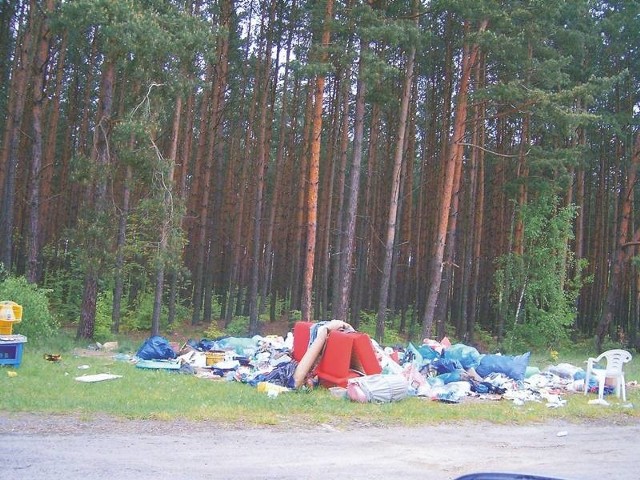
x=430, y=167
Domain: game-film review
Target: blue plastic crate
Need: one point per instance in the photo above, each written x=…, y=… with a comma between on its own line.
x=11, y=353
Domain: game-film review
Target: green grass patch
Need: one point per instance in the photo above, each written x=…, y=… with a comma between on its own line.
x=41, y=386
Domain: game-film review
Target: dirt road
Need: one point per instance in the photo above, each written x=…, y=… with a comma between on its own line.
x=50, y=447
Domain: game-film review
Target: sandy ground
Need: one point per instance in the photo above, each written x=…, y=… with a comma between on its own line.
x=67, y=447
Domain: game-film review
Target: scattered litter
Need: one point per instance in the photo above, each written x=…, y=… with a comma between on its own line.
x=338, y=392
x=377, y=388
x=553, y=400
x=598, y=401
x=99, y=377
x=227, y=365
x=52, y=357
x=110, y=346
x=271, y=389
x=159, y=364
x=122, y=357
x=11, y=373
x=83, y=367
x=562, y=433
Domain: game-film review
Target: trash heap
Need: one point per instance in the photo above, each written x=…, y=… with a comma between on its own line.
x=352, y=365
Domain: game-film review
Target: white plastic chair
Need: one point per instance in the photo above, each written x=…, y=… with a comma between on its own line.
x=615, y=360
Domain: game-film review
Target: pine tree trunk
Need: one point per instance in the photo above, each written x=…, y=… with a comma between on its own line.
x=314, y=172
x=390, y=236
x=220, y=73
x=346, y=271
x=624, y=250
x=261, y=165
x=98, y=194
x=475, y=200
x=442, y=304
x=34, y=235
x=279, y=177
x=47, y=210
x=118, y=287
x=297, y=258
x=9, y=154
x=454, y=157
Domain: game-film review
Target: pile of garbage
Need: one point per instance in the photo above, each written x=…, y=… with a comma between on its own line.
x=352, y=365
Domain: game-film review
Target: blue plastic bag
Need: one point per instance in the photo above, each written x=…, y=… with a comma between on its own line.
x=450, y=377
x=513, y=367
x=156, y=348
x=468, y=356
x=446, y=365
x=428, y=353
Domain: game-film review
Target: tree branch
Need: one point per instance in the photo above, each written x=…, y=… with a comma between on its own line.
x=491, y=151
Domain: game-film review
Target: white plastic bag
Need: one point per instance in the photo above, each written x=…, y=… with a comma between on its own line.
x=379, y=388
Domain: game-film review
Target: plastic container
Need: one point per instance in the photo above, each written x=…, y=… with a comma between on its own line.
x=11, y=350
x=271, y=389
x=6, y=327
x=10, y=311
x=214, y=357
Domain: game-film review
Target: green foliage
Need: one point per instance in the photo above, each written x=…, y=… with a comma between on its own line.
x=391, y=336
x=484, y=341
x=182, y=315
x=102, y=329
x=135, y=318
x=534, y=291
x=64, y=279
x=37, y=322
x=367, y=322
x=213, y=331
x=216, y=307
x=295, y=315
x=138, y=317
x=148, y=33
x=281, y=306
x=238, y=327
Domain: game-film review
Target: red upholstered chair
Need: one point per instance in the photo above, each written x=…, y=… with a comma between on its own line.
x=301, y=336
x=333, y=368
x=364, y=358
x=346, y=355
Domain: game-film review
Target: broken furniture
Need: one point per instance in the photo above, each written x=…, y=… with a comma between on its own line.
x=340, y=352
x=346, y=355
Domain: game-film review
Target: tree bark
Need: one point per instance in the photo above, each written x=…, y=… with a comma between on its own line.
x=34, y=235
x=394, y=197
x=101, y=159
x=9, y=154
x=261, y=165
x=314, y=171
x=625, y=249
x=454, y=157
x=118, y=287
x=346, y=271
x=217, y=110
